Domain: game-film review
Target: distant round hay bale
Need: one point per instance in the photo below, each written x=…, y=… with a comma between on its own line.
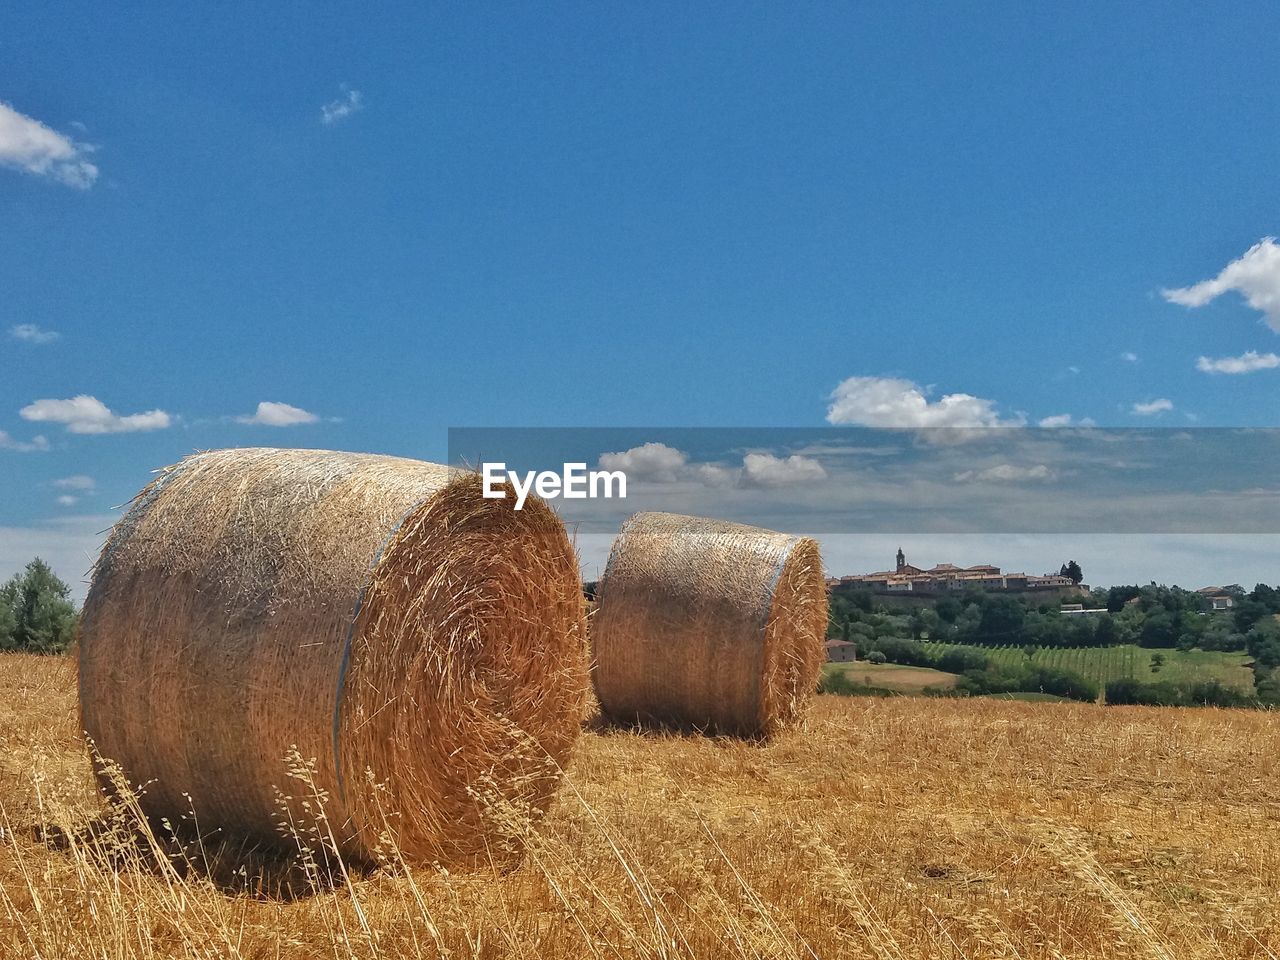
x=708, y=624
x=420, y=647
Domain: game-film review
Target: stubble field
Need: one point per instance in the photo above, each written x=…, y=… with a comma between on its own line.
x=894, y=827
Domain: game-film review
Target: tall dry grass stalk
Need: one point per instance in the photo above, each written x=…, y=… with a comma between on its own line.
x=887, y=829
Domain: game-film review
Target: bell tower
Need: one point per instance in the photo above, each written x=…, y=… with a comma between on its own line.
x=902, y=559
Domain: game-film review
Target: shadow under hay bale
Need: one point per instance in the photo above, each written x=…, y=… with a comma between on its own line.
x=406, y=642
x=233, y=867
x=708, y=625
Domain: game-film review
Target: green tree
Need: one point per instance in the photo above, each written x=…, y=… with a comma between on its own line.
x=1072, y=570
x=1001, y=620
x=966, y=623
x=916, y=625
x=860, y=632
x=1263, y=642
x=1079, y=632
x=1159, y=630
x=8, y=618
x=932, y=623
x=1106, y=633
x=948, y=609
x=1117, y=597
x=43, y=618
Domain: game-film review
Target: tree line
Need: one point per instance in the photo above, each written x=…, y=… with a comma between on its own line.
x=1152, y=616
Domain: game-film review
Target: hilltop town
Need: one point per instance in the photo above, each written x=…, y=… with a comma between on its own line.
x=945, y=578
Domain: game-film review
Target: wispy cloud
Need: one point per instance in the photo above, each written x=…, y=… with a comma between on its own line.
x=86, y=414
x=1255, y=276
x=28, y=145
x=894, y=402
x=1129, y=357
x=1247, y=362
x=1152, y=407
x=79, y=481
x=36, y=443
x=1065, y=420
x=1005, y=473
x=335, y=111
x=68, y=500
x=270, y=414
x=30, y=333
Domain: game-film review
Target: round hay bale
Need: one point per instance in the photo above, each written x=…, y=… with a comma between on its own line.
x=708, y=624
x=267, y=629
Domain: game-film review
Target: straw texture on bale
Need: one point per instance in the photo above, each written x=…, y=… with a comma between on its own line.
x=421, y=649
x=708, y=624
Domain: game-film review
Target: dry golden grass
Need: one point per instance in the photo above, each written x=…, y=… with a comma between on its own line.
x=886, y=828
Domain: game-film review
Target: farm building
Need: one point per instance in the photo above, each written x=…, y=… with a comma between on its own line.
x=1218, y=599
x=841, y=651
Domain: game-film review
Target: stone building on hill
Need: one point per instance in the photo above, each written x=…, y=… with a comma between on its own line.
x=944, y=578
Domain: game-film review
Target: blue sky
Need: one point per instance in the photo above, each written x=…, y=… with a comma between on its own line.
x=615, y=215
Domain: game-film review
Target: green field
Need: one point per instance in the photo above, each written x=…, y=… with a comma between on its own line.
x=1028, y=697
x=1104, y=664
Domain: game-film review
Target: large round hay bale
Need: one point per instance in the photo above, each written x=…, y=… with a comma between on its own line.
x=421, y=649
x=708, y=624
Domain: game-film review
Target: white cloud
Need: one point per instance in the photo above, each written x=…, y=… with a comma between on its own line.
x=892, y=402
x=67, y=500
x=1129, y=356
x=271, y=414
x=1247, y=362
x=1255, y=276
x=1066, y=420
x=766, y=470
x=30, y=333
x=1152, y=407
x=35, y=443
x=714, y=475
x=335, y=111
x=656, y=462
x=1007, y=472
x=85, y=414
x=77, y=482
x=28, y=145
x=659, y=463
